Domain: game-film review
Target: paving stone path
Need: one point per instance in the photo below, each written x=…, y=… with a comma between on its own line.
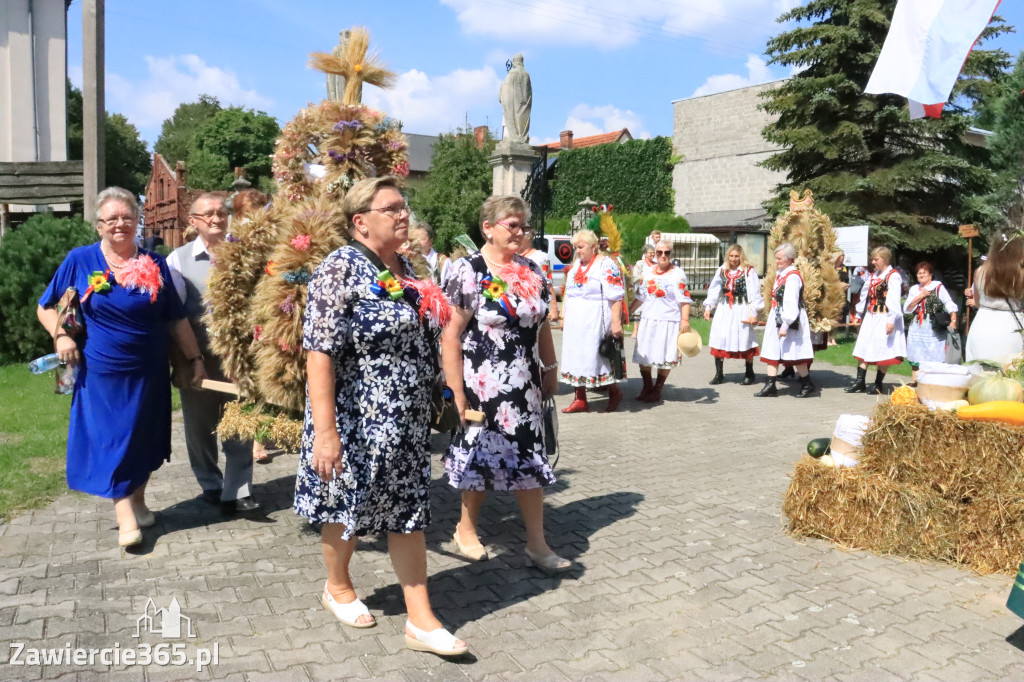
x=671, y=511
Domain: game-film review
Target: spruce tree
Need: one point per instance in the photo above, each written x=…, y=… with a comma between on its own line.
x=865, y=160
x=1006, y=202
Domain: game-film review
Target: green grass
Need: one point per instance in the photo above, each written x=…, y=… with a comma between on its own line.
x=33, y=439
x=842, y=354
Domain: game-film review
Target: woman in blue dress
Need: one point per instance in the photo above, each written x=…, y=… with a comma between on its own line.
x=370, y=335
x=499, y=359
x=120, y=426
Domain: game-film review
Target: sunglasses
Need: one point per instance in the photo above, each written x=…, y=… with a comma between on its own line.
x=663, y=253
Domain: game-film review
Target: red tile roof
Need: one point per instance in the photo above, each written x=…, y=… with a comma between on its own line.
x=591, y=141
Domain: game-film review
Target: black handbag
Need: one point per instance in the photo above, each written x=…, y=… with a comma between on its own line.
x=444, y=414
x=611, y=348
x=941, y=320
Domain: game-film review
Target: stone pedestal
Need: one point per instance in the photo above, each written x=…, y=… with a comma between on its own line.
x=512, y=163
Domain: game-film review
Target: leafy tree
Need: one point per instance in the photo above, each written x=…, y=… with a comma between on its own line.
x=127, y=162
x=1006, y=203
x=233, y=137
x=911, y=181
x=177, y=132
x=460, y=179
x=28, y=258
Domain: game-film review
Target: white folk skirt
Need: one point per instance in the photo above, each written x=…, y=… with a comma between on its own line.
x=656, y=344
x=875, y=347
x=923, y=344
x=794, y=349
x=729, y=337
x=582, y=331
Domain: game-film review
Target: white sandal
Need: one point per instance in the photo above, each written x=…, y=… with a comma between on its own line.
x=439, y=641
x=347, y=613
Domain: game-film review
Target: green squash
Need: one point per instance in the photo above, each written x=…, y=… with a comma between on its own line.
x=819, y=447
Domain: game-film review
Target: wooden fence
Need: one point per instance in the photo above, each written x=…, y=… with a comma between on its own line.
x=41, y=182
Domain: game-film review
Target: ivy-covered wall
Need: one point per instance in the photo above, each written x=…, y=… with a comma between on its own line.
x=636, y=177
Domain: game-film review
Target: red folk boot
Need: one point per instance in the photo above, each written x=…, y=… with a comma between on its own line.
x=648, y=385
x=579, y=404
x=655, y=395
x=614, y=398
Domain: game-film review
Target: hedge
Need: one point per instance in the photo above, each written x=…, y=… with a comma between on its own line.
x=636, y=177
x=29, y=256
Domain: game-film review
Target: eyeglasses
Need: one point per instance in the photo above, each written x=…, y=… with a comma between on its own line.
x=663, y=253
x=514, y=228
x=394, y=211
x=209, y=215
x=114, y=220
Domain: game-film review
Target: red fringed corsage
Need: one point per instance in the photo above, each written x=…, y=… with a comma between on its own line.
x=523, y=282
x=433, y=303
x=142, y=273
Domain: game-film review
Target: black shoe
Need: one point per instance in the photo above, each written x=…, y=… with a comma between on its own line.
x=211, y=496
x=718, y=378
x=787, y=373
x=769, y=390
x=876, y=389
x=858, y=386
x=243, y=505
x=748, y=376
x=806, y=388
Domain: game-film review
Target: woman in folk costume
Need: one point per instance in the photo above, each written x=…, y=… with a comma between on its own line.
x=925, y=342
x=593, y=309
x=666, y=315
x=735, y=296
x=881, y=340
x=787, y=334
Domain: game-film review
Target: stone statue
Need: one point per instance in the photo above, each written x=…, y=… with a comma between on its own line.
x=336, y=83
x=516, y=97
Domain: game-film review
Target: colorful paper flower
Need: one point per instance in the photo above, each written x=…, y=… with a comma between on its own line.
x=269, y=269
x=257, y=332
x=387, y=286
x=99, y=282
x=300, y=242
x=400, y=169
x=300, y=276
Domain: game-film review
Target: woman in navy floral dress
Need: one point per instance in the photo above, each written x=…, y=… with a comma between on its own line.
x=499, y=359
x=370, y=332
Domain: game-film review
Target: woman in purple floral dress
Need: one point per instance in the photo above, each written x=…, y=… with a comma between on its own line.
x=499, y=359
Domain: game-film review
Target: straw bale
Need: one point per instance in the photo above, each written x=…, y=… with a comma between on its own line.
x=929, y=485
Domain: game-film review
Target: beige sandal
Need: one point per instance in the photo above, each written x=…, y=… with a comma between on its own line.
x=475, y=552
x=439, y=641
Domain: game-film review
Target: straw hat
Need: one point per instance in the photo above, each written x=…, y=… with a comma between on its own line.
x=689, y=343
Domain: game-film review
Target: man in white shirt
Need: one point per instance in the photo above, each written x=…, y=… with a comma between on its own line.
x=202, y=410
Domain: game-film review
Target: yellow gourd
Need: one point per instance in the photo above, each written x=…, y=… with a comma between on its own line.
x=1003, y=411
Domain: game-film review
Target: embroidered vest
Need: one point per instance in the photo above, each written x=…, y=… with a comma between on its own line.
x=779, y=294
x=878, y=290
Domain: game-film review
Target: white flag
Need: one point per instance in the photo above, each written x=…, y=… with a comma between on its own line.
x=925, y=50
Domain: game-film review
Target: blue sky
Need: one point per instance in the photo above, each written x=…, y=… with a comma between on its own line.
x=595, y=65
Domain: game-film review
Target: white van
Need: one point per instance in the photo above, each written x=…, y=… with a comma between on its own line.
x=560, y=254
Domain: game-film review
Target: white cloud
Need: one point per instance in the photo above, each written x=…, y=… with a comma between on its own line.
x=585, y=120
x=173, y=80
x=611, y=23
x=438, y=104
x=757, y=73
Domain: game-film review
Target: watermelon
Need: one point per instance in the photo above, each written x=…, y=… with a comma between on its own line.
x=819, y=447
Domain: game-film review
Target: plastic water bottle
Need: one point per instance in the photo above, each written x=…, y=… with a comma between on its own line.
x=44, y=364
x=68, y=377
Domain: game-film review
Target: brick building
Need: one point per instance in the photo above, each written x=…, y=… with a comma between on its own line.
x=167, y=202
